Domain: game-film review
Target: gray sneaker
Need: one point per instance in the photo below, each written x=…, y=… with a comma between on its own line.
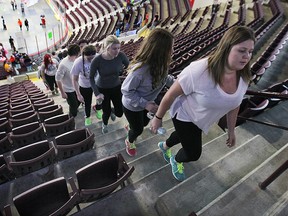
x=104, y=128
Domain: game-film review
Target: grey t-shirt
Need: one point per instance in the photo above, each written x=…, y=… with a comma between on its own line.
x=105, y=73
x=63, y=74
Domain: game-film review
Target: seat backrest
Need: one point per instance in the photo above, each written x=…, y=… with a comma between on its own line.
x=49, y=111
x=4, y=105
x=5, y=144
x=23, y=118
x=5, y=173
x=44, y=199
x=32, y=157
x=102, y=177
x=27, y=134
x=21, y=110
x=4, y=113
x=59, y=124
x=4, y=125
x=43, y=103
x=74, y=142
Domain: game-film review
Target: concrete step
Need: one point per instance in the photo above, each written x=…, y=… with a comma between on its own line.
x=152, y=177
x=246, y=192
x=203, y=187
x=280, y=208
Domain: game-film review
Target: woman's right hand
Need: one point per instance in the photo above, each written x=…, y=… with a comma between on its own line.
x=80, y=98
x=99, y=98
x=155, y=124
x=151, y=106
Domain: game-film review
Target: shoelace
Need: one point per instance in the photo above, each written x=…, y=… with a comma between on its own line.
x=168, y=153
x=180, y=167
x=132, y=145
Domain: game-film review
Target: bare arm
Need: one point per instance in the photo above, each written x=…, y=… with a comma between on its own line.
x=75, y=79
x=231, y=123
x=165, y=104
x=63, y=94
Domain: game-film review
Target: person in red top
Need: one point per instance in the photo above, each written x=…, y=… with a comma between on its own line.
x=20, y=24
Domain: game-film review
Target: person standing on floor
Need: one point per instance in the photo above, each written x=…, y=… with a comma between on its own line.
x=106, y=69
x=13, y=5
x=148, y=74
x=64, y=79
x=48, y=70
x=81, y=79
x=11, y=42
x=20, y=24
x=26, y=23
x=3, y=23
x=206, y=90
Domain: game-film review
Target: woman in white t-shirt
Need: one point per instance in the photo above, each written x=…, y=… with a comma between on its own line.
x=205, y=91
x=48, y=70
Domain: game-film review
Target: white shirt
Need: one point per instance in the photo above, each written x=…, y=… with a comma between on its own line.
x=203, y=102
x=63, y=74
x=84, y=75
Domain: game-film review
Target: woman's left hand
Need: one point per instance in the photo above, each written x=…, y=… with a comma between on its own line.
x=230, y=142
x=155, y=124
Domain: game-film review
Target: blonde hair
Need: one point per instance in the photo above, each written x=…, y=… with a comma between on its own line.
x=110, y=40
x=219, y=58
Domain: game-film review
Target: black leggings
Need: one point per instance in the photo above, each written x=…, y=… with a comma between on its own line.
x=87, y=95
x=137, y=122
x=73, y=103
x=51, y=82
x=190, y=137
x=114, y=95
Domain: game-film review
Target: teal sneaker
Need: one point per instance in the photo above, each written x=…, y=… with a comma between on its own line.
x=88, y=121
x=99, y=114
x=166, y=153
x=177, y=169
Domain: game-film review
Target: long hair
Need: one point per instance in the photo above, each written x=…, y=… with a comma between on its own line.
x=219, y=58
x=47, y=60
x=156, y=52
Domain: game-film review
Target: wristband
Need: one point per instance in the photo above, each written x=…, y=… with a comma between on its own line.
x=158, y=117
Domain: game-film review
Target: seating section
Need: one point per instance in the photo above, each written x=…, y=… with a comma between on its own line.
x=95, y=181
x=30, y=121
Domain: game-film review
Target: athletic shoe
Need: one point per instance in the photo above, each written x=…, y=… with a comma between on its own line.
x=104, y=128
x=177, y=169
x=88, y=121
x=113, y=116
x=130, y=148
x=99, y=114
x=166, y=153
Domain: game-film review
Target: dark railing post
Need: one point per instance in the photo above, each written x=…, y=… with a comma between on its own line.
x=274, y=175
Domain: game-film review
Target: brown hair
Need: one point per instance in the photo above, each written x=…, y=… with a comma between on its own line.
x=219, y=58
x=156, y=52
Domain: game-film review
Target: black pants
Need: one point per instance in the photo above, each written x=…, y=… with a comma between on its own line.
x=137, y=122
x=190, y=137
x=73, y=103
x=51, y=82
x=114, y=95
x=87, y=95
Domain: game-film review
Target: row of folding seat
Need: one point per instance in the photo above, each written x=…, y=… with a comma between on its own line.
x=95, y=181
x=43, y=152
x=34, y=131
x=254, y=105
x=265, y=60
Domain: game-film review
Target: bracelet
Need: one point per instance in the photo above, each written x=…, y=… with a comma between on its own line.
x=158, y=117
